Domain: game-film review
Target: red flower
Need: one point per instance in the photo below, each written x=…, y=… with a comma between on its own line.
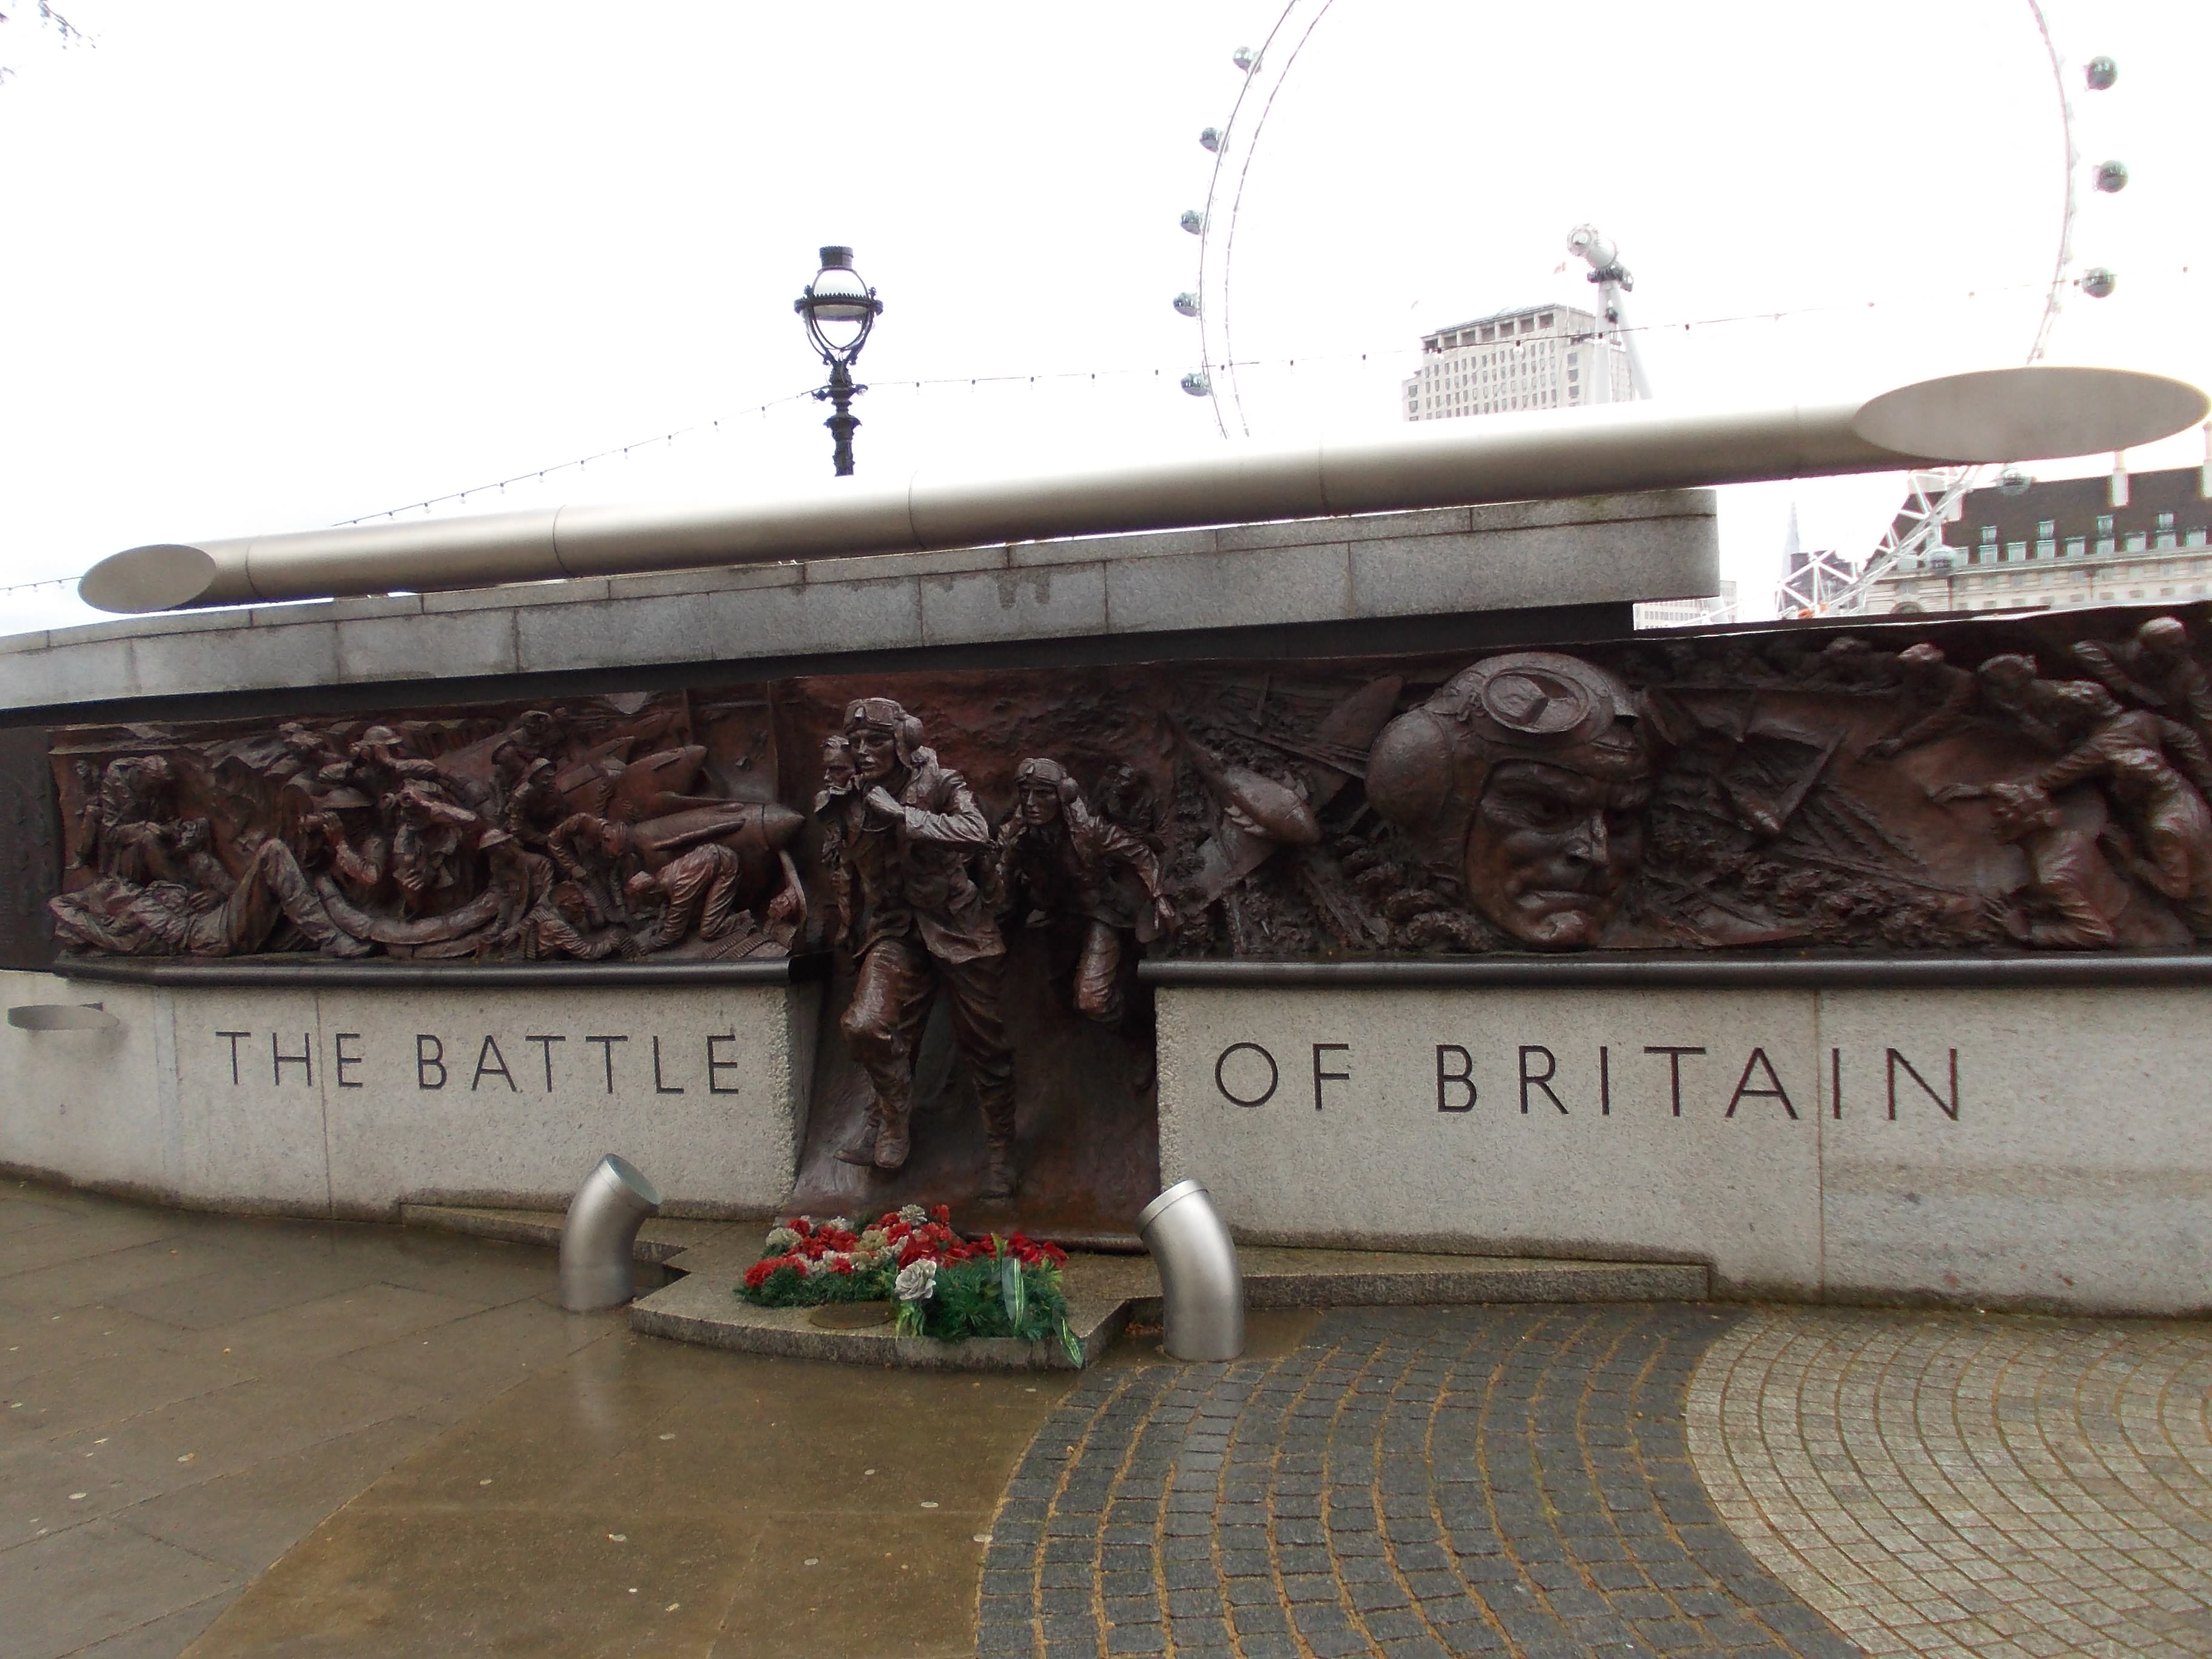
x=801, y=1225
x=756, y=1275
x=944, y=1213
x=1031, y=1253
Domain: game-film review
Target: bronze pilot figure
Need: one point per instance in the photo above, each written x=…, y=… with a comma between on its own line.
x=903, y=842
x=1071, y=865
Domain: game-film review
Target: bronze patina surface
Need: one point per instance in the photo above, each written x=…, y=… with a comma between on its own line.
x=987, y=854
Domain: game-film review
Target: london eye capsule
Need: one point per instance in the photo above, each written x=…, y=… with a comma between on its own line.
x=1192, y=220
x=2098, y=282
x=1210, y=140
x=1198, y=383
x=2100, y=72
x=2112, y=177
x=1187, y=303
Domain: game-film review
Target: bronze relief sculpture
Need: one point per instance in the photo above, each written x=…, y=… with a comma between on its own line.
x=1996, y=785
x=906, y=833
x=559, y=833
x=1062, y=863
x=1525, y=777
x=1978, y=785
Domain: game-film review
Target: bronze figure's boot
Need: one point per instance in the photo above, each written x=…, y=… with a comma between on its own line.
x=861, y=1148
x=1000, y=1175
x=892, y=1143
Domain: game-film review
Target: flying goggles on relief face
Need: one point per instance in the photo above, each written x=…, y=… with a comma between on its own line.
x=885, y=718
x=1428, y=768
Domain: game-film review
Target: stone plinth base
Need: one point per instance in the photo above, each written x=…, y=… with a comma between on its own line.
x=348, y=1094
x=2025, y=1145
x=1105, y=1292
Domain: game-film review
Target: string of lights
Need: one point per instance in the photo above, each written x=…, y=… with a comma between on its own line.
x=43, y=581
x=498, y=485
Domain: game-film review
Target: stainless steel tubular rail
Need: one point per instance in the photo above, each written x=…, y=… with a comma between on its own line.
x=598, y=1240
x=1995, y=414
x=1200, y=1284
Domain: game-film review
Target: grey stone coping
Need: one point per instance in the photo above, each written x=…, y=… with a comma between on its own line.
x=307, y=972
x=1716, y=970
x=1616, y=549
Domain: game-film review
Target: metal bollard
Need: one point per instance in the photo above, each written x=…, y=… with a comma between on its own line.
x=1200, y=1281
x=598, y=1240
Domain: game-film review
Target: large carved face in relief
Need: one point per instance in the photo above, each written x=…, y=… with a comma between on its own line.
x=1526, y=777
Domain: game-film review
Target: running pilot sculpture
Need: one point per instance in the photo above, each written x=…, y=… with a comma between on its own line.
x=902, y=840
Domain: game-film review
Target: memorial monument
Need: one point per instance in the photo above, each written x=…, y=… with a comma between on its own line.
x=1480, y=924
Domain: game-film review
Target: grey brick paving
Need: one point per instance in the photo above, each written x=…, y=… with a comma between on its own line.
x=1418, y=1481
x=1946, y=1484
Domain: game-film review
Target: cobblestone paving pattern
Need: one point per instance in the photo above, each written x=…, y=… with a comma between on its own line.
x=1407, y=1481
x=1946, y=1484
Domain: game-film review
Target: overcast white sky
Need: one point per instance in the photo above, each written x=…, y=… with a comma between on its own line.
x=277, y=265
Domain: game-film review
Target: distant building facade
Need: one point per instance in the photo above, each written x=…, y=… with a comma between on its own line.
x=1688, y=613
x=1536, y=357
x=2064, y=543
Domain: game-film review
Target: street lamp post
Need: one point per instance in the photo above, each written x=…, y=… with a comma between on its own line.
x=840, y=309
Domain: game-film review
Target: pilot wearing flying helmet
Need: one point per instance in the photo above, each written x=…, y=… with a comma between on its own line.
x=903, y=837
x=1524, y=779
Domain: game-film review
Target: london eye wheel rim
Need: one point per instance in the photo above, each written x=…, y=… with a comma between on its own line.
x=1267, y=68
x=1929, y=504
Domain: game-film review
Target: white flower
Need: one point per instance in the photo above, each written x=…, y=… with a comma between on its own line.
x=913, y=1214
x=917, y=1281
x=839, y=1223
x=780, y=1239
x=874, y=1239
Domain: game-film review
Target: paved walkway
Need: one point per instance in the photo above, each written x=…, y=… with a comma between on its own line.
x=183, y=1397
x=1940, y=1485
x=1407, y=1481
x=243, y=1438
x=276, y=1437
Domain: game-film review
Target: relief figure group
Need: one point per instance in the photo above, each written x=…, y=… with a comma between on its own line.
x=1974, y=787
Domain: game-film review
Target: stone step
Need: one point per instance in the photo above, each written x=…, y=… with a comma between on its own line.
x=1105, y=1291
x=705, y=1308
x=660, y=1237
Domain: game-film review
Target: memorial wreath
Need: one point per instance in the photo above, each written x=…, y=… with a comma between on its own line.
x=946, y=1287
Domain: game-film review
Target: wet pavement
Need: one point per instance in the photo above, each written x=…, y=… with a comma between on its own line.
x=1405, y=1481
x=266, y=1437
x=1990, y=1485
x=183, y=1397
x=653, y=1498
